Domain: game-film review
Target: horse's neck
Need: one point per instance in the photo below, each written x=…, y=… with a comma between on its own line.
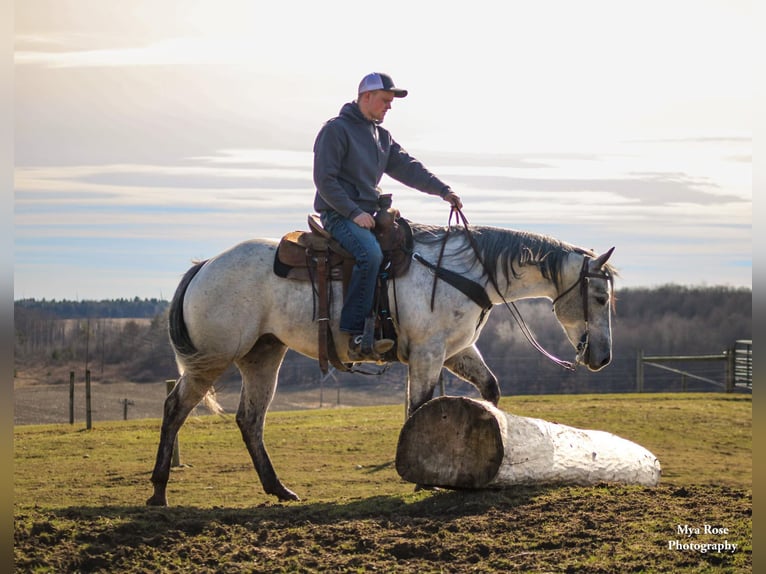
x=531, y=282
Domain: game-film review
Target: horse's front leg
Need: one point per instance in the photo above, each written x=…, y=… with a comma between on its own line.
x=425, y=365
x=469, y=365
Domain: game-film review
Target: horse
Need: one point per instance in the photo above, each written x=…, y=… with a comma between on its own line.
x=233, y=308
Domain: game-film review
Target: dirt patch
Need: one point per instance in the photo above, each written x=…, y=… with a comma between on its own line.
x=603, y=529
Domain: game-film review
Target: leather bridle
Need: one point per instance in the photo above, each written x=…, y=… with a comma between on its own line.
x=583, y=281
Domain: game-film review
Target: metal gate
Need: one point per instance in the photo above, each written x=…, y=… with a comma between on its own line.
x=743, y=364
x=738, y=361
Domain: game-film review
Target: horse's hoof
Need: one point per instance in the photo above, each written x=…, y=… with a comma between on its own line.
x=157, y=501
x=419, y=487
x=285, y=494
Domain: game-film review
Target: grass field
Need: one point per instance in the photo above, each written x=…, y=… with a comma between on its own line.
x=79, y=497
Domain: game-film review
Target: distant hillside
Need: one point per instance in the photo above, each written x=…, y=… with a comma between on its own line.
x=107, y=308
x=665, y=320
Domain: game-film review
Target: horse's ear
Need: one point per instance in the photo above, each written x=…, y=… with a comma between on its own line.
x=601, y=259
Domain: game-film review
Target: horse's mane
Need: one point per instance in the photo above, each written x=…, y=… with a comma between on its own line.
x=502, y=250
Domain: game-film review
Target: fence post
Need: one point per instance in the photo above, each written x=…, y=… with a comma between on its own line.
x=640, y=371
x=125, y=402
x=88, y=413
x=731, y=368
x=71, y=397
x=176, y=460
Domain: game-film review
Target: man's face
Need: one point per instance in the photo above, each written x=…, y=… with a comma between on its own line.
x=378, y=103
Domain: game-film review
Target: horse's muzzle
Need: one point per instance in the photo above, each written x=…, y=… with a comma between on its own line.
x=585, y=356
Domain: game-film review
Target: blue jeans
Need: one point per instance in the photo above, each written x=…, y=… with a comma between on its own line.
x=362, y=244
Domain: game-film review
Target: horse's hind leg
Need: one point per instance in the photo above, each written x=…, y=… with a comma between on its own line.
x=186, y=395
x=259, y=369
x=469, y=365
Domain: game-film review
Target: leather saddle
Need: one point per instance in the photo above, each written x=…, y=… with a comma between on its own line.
x=316, y=256
x=297, y=252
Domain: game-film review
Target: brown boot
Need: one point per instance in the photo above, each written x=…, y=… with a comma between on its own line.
x=379, y=347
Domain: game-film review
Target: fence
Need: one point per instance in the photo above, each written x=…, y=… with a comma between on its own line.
x=743, y=364
x=738, y=367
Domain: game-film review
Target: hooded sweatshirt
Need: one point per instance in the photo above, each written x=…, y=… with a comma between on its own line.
x=351, y=154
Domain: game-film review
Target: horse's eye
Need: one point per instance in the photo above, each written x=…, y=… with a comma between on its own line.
x=602, y=300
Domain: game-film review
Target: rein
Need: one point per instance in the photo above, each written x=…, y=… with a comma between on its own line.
x=440, y=272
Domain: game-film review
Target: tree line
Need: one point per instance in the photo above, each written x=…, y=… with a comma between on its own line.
x=105, y=308
x=130, y=336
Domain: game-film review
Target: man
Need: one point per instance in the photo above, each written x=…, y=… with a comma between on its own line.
x=351, y=154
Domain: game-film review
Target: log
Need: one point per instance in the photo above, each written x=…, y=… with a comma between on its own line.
x=458, y=442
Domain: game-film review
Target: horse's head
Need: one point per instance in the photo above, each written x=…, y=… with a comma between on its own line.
x=584, y=308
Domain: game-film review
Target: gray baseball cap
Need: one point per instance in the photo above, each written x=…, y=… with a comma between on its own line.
x=378, y=81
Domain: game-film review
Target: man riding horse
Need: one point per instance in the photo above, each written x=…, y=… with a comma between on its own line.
x=236, y=308
x=351, y=154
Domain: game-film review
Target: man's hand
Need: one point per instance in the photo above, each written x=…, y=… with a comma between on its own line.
x=365, y=220
x=454, y=200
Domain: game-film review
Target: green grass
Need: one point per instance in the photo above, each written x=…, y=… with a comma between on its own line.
x=346, y=453
x=79, y=496
x=700, y=438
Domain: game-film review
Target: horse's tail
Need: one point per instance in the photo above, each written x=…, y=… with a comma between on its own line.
x=179, y=334
x=187, y=355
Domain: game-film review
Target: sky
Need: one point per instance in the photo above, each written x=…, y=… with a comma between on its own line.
x=153, y=132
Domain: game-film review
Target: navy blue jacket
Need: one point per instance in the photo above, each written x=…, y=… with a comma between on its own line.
x=351, y=154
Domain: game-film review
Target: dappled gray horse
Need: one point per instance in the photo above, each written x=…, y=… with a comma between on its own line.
x=233, y=308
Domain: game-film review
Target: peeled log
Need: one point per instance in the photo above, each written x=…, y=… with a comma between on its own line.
x=457, y=442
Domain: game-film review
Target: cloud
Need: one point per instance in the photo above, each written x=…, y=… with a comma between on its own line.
x=504, y=160
x=648, y=189
x=709, y=139
x=165, y=52
x=153, y=192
